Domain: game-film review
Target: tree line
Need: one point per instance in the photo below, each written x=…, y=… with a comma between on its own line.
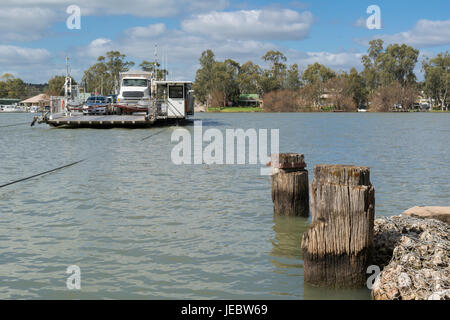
x=386, y=81
x=16, y=88
x=103, y=76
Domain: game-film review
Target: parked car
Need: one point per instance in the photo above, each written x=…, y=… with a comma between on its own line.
x=97, y=105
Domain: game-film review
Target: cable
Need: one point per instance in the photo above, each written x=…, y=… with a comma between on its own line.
x=40, y=174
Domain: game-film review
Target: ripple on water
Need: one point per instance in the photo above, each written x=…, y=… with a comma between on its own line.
x=141, y=227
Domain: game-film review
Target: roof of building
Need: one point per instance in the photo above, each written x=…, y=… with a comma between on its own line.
x=37, y=99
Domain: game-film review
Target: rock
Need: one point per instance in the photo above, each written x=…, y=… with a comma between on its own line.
x=415, y=255
x=438, y=213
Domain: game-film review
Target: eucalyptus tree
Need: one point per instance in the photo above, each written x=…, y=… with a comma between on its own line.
x=437, y=78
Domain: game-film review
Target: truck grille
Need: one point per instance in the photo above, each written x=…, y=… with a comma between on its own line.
x=133, y=94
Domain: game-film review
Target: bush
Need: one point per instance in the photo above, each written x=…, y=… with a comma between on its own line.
x=385, y=98
x=280, y=101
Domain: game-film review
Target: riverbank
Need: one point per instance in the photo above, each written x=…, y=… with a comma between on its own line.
x=236, y=109
x=413, y=254
x=324, y=110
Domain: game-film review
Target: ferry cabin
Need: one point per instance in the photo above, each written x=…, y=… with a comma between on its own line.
x=175, y=98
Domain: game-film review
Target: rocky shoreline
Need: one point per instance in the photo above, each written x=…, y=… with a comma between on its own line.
x=414, y=256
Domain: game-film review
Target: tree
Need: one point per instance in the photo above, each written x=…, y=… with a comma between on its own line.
x=371, y=64
x=3, y=90
x=151, y=66
x=281, y=101
x=315, y=76
x=340, y=93
x=56, y=85
x=16, y=88
x=437, y=78
x=383, y=67
x=224, y=83
x=274, y=78
x=103, y=76
x=385, y=98
x=397, y=64
x=249, y=78
x=116, y=64
x=357, y=87
x=204, y=76
x=293, y=81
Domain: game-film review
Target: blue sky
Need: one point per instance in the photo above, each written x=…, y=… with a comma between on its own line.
x=35, y=39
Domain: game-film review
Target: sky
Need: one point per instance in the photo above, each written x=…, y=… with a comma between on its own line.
x=35, y=38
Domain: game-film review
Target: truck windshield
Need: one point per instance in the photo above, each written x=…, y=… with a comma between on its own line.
x=134, y=83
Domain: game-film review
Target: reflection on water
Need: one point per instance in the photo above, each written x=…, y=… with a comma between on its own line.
x=288, y=236
x=141, y=227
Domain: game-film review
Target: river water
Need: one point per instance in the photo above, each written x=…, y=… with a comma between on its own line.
x=140, y=227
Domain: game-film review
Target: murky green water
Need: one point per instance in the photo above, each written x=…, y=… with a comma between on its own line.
x=141, y=227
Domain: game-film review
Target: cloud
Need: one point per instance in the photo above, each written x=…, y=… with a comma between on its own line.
x=426, y=33
x=184, y=49
x=360, y=23
x=14, y=56
x=139, y=8
x=25, y=24
x=267, y=24
x=20, y=60
x=152, y=30
x=335, y=60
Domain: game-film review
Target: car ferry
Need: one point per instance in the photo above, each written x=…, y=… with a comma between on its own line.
x=142, y=101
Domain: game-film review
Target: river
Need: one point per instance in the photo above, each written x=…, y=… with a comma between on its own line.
x=140, y=227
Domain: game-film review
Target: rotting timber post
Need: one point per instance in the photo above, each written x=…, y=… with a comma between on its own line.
x=336, y=247
x=289, y=181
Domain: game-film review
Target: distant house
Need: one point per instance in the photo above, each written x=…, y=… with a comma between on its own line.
x=250, y=100
x=41, y=100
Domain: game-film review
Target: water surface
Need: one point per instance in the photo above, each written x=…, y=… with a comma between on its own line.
x=140, y=227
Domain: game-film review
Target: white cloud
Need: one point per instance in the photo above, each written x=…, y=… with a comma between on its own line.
x=360, y=23
x=14, y=56
x=426, y=33
x=28, y=20
x=183, y=51
x=284, y=24
x=30, y=64
x=335, y=60
x=140, y=8
x=152, y=30
x=25, y=24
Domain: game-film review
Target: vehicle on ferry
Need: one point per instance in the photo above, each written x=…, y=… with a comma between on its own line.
x=98, y=105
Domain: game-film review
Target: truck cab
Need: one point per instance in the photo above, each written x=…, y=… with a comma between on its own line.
x=134, y=87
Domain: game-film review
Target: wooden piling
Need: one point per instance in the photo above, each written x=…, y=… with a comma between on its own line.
x=336, y=247
x=289, y=182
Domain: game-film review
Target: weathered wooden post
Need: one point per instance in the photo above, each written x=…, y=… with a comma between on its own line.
x=336, y=247
x=289, y=181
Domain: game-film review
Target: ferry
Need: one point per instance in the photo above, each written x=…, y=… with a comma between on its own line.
x=142, y=101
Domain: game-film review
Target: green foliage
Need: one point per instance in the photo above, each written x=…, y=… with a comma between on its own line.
x=293, y=81
x=204, y=77
x=103, y=76
x=437, y=78
x=383, y=67
x=11, y=87
x=357, y=87
x=56, y=85
x=152, y=66
x=218, y=83
x=249, y=78
x=315, y=76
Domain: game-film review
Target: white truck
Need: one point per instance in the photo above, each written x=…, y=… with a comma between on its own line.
x=135, y=87
x=140, y=92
